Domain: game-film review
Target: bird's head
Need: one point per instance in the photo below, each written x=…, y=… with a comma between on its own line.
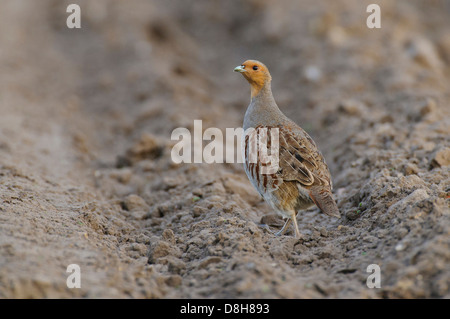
x=256, y=73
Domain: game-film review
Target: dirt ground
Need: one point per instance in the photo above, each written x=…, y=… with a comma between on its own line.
x=86, y=175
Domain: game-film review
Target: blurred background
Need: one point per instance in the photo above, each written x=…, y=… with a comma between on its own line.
x=85, y=122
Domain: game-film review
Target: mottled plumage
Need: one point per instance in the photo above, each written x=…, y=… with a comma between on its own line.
x=302, y=178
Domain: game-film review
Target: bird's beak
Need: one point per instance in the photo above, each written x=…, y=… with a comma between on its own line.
x=239, y=69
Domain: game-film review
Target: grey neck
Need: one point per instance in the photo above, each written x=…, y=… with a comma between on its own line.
x=265, y=94
x=263, y=109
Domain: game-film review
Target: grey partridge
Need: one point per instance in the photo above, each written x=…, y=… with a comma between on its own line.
x=301, y=178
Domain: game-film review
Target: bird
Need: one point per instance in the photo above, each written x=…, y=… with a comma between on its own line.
x=301, y=178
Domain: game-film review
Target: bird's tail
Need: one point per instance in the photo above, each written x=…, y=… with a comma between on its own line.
x=324, y=200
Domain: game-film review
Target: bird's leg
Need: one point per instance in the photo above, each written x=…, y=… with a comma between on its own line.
x=294, y=219
x=285, y=227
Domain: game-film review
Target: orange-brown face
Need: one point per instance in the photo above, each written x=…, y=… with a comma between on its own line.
x=256, y=74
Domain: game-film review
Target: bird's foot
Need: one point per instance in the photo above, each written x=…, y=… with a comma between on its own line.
x=299, y=236
x=273, y=232
x=266, y=227
x=279, y=233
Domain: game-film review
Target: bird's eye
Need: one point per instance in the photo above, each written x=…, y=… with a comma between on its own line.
x=255, y=67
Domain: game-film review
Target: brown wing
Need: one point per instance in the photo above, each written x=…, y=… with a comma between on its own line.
x=300, y=160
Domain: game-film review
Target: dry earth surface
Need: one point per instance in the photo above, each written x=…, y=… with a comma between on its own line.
x=86, y=175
